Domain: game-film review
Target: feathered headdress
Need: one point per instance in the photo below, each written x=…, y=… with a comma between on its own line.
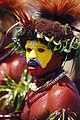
x=65, y=11
x=54, y=25
x=9, y=6
x=55, y=19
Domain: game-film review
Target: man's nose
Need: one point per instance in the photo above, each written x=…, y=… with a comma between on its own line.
x=33, y=54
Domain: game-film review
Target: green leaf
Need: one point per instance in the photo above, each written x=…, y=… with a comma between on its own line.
x=10, y=83
x=71, y=44
x=57, y=43
x=62, y=114
x=54, y=115
x=4, y=88
x=78, y=63
x=4, y=97
x=75, y=45
x=15, y=92
x=51, y=39
x=23, y=76
x=10, y=45
x=29, y=78
x=56, y=48
x=19, y=103
x=7, y=101
x=40, y=35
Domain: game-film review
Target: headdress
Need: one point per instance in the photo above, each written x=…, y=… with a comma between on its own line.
x=7, y=19
x=8, y=6
x=53, y=25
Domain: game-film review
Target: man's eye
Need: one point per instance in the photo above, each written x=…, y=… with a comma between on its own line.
x=28, y=49
x=41, y=50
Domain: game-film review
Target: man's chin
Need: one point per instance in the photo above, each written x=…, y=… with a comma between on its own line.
x=35, y=71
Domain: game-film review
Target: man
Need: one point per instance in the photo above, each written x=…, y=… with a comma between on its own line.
x=49, y=42
x=11, y=64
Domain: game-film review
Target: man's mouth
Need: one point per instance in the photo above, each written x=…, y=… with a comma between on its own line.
x=32, y=68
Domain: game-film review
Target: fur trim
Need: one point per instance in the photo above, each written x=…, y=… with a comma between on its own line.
x=56, y=9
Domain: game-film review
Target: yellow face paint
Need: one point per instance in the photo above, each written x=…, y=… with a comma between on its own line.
x=38, y=51
x=1, y=36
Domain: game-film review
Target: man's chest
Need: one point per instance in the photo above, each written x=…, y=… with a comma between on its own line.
x=36, y=107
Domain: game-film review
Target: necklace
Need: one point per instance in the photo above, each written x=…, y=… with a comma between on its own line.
x=47, y=84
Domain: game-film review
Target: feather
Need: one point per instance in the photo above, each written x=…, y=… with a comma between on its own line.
x=59, y=9
x=10, y=5
x=14, y=8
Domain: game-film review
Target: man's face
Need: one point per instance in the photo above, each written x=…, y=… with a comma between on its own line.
x=38, y=56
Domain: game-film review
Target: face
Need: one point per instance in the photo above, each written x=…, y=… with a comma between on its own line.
x=38, y=56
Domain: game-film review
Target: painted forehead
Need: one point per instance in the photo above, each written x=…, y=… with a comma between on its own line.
x=35, y=44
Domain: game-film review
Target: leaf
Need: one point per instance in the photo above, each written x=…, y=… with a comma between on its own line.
x=57, y=43
x=15, y=92
x=62, y=114
x=56, y=48
x=71, y=44
x=29, y=77
x=75, y=45
x=41, y=35
x=10, y=45
x=4, y=97
x=19, y=103
x=78, y=63
x=7, y=101
x=4, y=88
x=23, y=76
x=54, y=116
x=63, y=48
x=10, y=83
x=51, y=39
